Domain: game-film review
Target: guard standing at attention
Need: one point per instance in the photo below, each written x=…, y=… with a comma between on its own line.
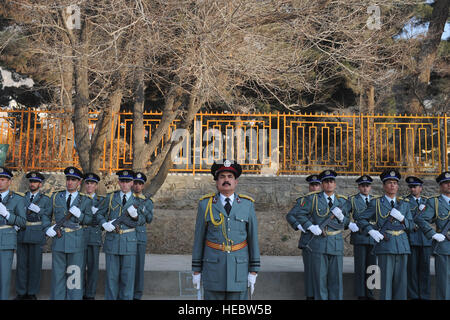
x=225, y=255
x=147, y=209
x=31, y=240
x=313, y=186
x=419, y=280
x=119, y=214
x=72, y=211
x=362, y=242
x=93, y=238
x=12, y=216
x=392, y=216
x=325, y=215
x=437, y=211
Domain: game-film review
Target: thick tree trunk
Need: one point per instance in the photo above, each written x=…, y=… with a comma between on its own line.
x=140, y=157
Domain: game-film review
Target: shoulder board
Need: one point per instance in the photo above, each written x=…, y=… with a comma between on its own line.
x=426, y=198
x=376, y=197
x=246, y=197
x=313, y=192
x=151, y=199
x=19, y=193
x=209, y=195
x=141, y=196
x=86, y=195
x=300, y=197
x=434, y=196
x=404, y=199
x=340, y=196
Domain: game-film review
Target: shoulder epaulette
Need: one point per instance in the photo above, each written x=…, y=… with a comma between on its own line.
x=19, y=193
x=246, y=197
x=84, y=194
x=140, y=196
x=313, y=192
x=300, y=197
x=151, y=199
x=376, y=197
x=209, y=195
x=341, y=196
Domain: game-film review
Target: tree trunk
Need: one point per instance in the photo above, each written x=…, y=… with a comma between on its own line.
x=140, y=157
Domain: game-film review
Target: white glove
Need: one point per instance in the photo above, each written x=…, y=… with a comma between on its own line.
x=338, y=213
x=421, y=207
x=108, y=226
x=376, y=235
x=353, y=227
x=315, y=229
x=34, y=208
x=75, y=211
x=3, y=211
x=251, y=280
x=439, y=237
x=299, y=227
x=17, y=228
x=51, y=232
x=196, y=280
x=132, y=211
x=94, y=210
x=397, y=215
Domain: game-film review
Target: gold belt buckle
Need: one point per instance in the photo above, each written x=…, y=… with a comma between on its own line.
x=227, y=248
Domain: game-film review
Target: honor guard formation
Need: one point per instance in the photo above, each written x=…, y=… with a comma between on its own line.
x=396, y=234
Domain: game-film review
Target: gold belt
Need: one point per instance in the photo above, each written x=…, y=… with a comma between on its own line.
x=70, y=229
x=5, y=226
x=126, y=230
x=228, y=248
x=332, y=233
x=395, y=233
x=37, y=223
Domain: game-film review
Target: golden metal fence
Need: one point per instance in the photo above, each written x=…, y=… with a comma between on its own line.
x=263, y=143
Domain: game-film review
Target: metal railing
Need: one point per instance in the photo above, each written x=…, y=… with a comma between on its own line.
x=261, y=143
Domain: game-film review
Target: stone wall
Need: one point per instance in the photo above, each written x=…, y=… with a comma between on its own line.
x=172, y=228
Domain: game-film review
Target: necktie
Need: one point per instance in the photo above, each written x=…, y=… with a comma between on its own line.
x=330, y=202
x=1, y=198
x=417, y=200
x=32, y=197
x=367, y=201
x=69, y=200
x=227, y=205
x=124, y=200
x=392, y=203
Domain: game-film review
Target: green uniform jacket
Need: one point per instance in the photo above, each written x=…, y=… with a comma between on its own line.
x=294, y=223
x=34, y=233
x=94, y=231
x=74, y=241
x=15, y=204
x=358, y=205
x=111, y=208
x=378, y=210
x=437, y=211
x=147, y=210
x=222, y=270
x=416, y=237
x=314, y=210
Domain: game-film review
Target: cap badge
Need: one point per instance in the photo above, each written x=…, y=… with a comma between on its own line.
x=71, y=171
x=392, y=173
x=125, y=173
x=227, y=163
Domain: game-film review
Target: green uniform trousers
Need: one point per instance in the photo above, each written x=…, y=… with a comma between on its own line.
x=119, y=282
x=28, y=270
x=394, y=278
x=419, y=279
x=6, y=259
x=327, y=276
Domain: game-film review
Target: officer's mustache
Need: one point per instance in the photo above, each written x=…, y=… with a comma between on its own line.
x=226, y=182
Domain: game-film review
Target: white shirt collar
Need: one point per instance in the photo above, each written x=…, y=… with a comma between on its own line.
x=389, y=199
x=5, y=194
x=447, y=199
x=222, y=199
x=326, y=197
x=128, y=194
x=364, y=197
x=74, y=194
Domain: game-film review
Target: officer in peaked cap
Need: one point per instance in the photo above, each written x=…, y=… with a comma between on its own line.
x=313, y=187
x=227, y=165
x=147, y=209
x=393, y=219
x=73, y=172
x=12, y=216
x=225, y=255
x=437, y=211
x=419, y=283
x=72, y=211
x=120, y=244
x=326, y=243
x=31, y=240
x=93, y=238
x=362, y=243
